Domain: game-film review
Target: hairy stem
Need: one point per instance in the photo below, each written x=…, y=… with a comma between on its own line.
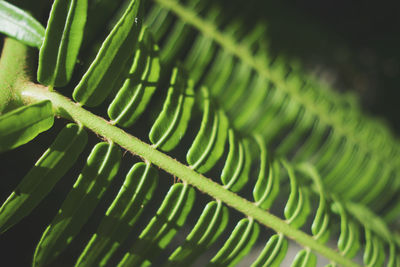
x=70, y=110
x=13, y=71
x=15, y=79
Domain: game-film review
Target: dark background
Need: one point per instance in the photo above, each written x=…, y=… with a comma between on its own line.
x=354, y=45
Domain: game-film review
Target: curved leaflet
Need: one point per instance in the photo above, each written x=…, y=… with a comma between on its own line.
x=170, y=126
x=235, y=173
x=62, y=41
x=238, y=244
x=305, y=258
x=137, y=90
x=320, y=226
x=348, y=242
x=199, y=57
x=250, y=109
x=266, y=188
x=297, y=207
x=111, y=59
x=209, y=144
x=209, y=227
x=163, y=227
x=394, y=257
x=273, y=253
x=374, y=254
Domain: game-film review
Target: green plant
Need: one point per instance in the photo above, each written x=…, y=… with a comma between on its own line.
x=257, y=122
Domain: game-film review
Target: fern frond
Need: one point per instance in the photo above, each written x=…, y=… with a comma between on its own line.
x=128, y=71
x=289, y=104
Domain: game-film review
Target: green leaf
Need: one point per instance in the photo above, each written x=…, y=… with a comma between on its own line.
x=273, y=253
x=171, y=124
x=19, y=25
x=266, y=188
x=175, y=41
x=320, y=227
x=363, y=185
x=313, y=143
x=211, y=224
x=21, y=125
x=250, y=110
x=300, y=129
x=199, y=57
x=374, y=253
x=163, y=227
x=137, y=90
x=121, y=216
x=64, y=33
x=101, y=167
x=219, y=73
x=177, y=36
x=98, y=81
x=285, y=116
x=40, y=180
x=349, y=242
x=209, y=144
x=297, y=207
x=305, y=258
x=394, y=256
x=232, y=93
x=238, y=244
x=235, y=173
x=158, y=20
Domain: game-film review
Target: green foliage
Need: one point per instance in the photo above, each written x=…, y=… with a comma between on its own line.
x=274, y=252
x=121, y=216
x=172, y=122
x=39, y=181
x=269, y=131
x=21, y=125
x=62, y=41
x=209, y=144
x=20, y=25
x=96, y=176
x=135, y=94
x=115, y=51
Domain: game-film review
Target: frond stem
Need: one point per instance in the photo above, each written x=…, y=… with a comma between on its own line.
x=66, y=108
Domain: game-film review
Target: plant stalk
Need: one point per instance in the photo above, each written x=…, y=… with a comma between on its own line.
x=14, y=64
x=70, y=110
x=14, y=81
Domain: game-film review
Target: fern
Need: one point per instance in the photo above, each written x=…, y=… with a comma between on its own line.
x=265, y=128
